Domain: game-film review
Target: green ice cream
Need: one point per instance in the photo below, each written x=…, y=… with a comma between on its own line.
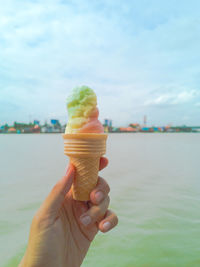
x=82, y=111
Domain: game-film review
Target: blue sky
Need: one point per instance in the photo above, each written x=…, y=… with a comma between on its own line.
x=140, y=57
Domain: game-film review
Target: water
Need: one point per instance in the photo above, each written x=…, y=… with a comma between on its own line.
x=155, y=190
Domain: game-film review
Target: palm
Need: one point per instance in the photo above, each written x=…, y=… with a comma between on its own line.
x=73, y=238
x=64, y=242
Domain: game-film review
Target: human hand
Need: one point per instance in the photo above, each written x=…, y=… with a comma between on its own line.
x=63, y=228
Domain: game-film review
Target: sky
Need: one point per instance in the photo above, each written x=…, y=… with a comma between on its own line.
x=140, y=57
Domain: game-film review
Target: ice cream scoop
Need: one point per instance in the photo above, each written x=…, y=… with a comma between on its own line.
x=83, y=112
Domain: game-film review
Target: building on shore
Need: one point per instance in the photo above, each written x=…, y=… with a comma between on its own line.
x=146, y=130
x=55, y=127
x=128, y=130
x=107, y=125
x=36, y=129
x=12, y=130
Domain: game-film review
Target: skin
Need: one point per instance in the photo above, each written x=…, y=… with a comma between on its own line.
x=63, y=229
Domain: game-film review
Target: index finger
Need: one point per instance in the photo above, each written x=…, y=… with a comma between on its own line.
x=54, y=200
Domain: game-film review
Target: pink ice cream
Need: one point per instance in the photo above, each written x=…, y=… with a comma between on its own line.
x=83, y=112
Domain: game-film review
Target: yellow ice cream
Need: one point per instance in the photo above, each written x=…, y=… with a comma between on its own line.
x=83, y=112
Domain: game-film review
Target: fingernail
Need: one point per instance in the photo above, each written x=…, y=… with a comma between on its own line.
x=85, y=220
x=98, y=196
x=106, y=226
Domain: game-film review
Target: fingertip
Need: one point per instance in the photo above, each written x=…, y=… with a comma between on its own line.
x=67, y=179
x=103, y=163
x=70, y=170
x=110, y=221
x=104, y=226
x=105, y=160
x=73, y=169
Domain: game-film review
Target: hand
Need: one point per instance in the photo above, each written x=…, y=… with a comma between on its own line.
x=63, y=228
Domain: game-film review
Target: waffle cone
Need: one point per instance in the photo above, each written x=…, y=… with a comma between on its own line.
x=84, y=151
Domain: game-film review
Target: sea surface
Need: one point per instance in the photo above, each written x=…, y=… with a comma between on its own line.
x=155, y=190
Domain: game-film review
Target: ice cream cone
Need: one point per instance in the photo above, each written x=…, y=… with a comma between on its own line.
x=84, y=151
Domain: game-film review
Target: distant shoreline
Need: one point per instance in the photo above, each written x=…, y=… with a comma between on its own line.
x=106, y=133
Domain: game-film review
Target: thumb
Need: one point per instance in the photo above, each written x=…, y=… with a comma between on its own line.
x=57, y=195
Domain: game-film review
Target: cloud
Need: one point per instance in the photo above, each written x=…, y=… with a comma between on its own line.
x=173, y=98
x=138, y=58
